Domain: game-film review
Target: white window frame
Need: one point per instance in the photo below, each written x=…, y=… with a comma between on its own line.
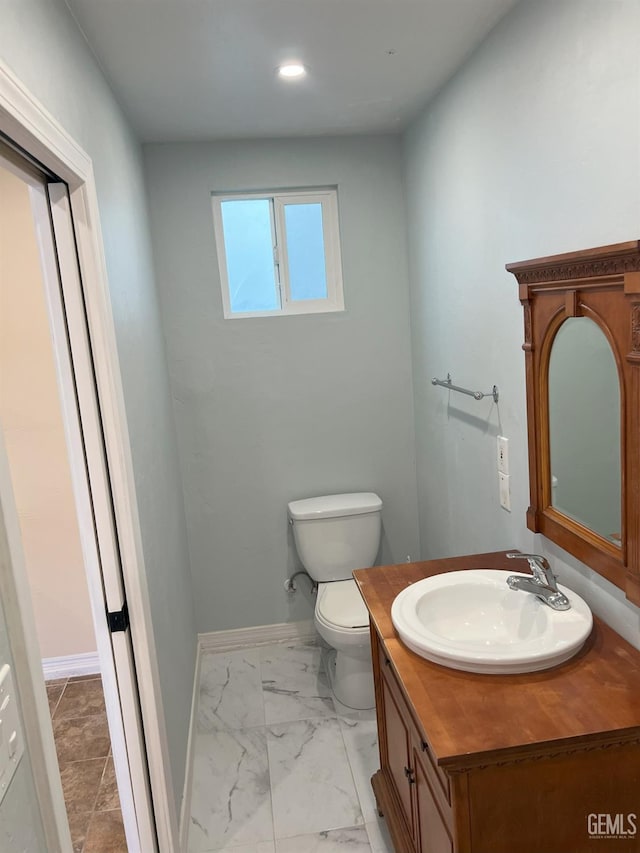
x=328, y=198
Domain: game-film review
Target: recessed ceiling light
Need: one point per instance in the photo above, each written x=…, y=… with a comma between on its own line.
x=292, y=70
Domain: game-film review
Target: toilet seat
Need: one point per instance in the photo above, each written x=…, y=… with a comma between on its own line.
x=342, y=620
x=340, y=604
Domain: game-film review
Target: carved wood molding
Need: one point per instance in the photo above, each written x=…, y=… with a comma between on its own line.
x=544, y=756
x=527, y=325
x=635, y=327
x=593, y=269
x=612, y=260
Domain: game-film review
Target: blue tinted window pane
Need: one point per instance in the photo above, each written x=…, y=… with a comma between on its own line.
x=305, y=251
x=249, y=248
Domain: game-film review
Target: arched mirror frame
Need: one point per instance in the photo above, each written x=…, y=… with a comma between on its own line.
x=604, y=285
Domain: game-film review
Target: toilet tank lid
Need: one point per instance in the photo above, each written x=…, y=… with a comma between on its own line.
x=334, y=506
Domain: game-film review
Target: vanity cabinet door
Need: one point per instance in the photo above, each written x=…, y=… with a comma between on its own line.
x=431, y=829
x=412, y=792
x=398, y=751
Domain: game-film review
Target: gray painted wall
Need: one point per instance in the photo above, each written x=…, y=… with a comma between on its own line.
x=41, y=44
x=269, y=410
x=532, y=148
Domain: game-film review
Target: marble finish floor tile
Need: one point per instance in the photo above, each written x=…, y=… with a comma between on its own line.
x=300, y=783
x=344, y=712
x=295, y=684
x=231, y=801
x=81, y=737
x=360, y=737
x=379, y=837
x=312, y=785
x=354, y=840
x=230, y=691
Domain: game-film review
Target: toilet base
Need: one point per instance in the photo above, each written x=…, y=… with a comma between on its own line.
x=351, y=680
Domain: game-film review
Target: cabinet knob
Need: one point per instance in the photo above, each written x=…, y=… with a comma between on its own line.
x=408, y=772
x=387, y=662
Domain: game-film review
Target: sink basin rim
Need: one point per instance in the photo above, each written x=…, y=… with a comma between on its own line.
x=558, y=635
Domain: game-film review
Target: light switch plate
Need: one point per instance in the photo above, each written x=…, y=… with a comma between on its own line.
x=503, y=454
x=505, y=495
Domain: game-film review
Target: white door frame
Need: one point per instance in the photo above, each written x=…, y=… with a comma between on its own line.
x=24, y=120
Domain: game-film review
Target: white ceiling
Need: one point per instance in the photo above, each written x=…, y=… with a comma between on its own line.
x=205, y=69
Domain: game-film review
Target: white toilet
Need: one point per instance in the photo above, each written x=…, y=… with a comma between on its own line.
x=334, y=535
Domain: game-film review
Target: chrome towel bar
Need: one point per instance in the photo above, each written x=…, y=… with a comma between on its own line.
x=477, y=395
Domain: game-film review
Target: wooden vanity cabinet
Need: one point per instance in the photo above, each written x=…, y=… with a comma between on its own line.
x=404, y=754
x=424, y=811
x=398, y=751
x=432, y=833
x=497, y=764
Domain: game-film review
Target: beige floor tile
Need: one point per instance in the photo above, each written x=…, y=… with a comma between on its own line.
x=81, y=782
x=78, y=825
x=86, y=768
x=108, y=798
x=80, y=699
x=81, y=737
x=54, y=692
x=106, y=833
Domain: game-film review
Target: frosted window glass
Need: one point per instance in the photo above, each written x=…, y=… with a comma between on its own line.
x=248, y=243
x=305, y=251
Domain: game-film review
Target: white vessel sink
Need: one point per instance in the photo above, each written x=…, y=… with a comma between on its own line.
x=471, y=620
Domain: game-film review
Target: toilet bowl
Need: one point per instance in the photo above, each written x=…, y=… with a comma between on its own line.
x=342, y=620
x=335, y=534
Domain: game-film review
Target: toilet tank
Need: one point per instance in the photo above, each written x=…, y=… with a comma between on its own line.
x=335, y=534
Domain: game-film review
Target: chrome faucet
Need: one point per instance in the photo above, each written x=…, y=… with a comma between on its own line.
x=542, y=583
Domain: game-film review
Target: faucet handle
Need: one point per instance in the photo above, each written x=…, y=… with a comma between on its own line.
x=539, y=565
x=538, y=558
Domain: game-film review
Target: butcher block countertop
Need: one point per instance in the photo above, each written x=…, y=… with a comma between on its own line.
x=469, y=719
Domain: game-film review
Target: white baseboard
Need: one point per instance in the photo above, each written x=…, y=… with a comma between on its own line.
x=69, y=666
x=185, y=806
x=241, y=638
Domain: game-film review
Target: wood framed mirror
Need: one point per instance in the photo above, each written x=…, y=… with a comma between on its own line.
x=582, y=353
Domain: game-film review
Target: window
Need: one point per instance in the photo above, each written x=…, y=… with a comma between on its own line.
x=279, y=253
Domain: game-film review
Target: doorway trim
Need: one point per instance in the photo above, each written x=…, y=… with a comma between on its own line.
x=26, y=121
